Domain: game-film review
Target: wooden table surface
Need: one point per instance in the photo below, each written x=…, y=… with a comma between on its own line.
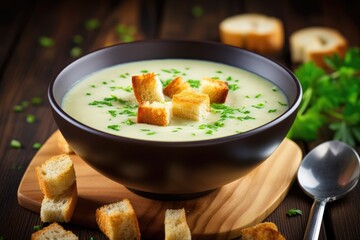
x=26, y=68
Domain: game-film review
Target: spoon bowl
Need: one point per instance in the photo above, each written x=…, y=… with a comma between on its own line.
x=328, y=172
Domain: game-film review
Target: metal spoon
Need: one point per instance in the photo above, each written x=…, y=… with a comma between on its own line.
x=327, y=173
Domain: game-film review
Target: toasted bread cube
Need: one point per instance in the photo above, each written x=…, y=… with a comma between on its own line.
x=56, y=175
x=176, y=86
x=191, y=105
x=215, y=88
x=53, y=231
x=265, y=231
x=176, y=227
x=118, y=221
x=147, y=87
x=156, y=113
x=59, y=208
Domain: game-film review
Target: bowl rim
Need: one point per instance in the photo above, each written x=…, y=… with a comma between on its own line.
x=192, y=143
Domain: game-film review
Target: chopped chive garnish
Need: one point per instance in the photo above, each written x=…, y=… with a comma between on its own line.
x=25, y=104
x=15, y=144
x=233, y=87
x=129, y=122
x=92, y=24
x=75, y=52
x=151, y=133
x=114, y=127
x=18, y=108
x=194, y=83
x=274, y=89
x=282, y=104
x=92, y=86
x=30, y=118
x=229, y=78
x=46, y=41
x=144, y=71
x=294, y=212
x=112, y=113
x=218, y=71
x=36, y=100
x=259, y=105
x=36, y=145
x=258, y=95
x=272, y=110
x=88, y=94
x=37, y=227
x=144, y=130
x=78, y=39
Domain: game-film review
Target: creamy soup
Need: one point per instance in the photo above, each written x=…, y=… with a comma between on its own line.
x=105, y=101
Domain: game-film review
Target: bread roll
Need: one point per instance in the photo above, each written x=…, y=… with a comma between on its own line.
x=314, y=43
x=255, y=32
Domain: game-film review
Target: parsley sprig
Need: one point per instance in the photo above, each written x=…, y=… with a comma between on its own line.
x=330, y=100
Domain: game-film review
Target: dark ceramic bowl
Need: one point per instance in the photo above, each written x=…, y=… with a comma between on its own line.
x=174, y=169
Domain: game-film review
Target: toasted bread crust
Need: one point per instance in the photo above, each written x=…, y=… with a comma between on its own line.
x=264, y=231
x=255, y=32
x=176, y=227
x=154, y=114
x=215, y=88
x=60, y=180
x=118, y=221
x=59, y=208
x=53, y=231
x=191, y=105
x=314, y=43
x=147, y=87
x=177, y=85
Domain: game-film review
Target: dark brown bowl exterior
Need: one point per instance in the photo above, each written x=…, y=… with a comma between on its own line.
x=174, y=168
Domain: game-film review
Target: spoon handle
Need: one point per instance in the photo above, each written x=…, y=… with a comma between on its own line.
x=315, y=219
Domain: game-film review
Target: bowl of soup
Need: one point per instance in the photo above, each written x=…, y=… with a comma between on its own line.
x=94, y=106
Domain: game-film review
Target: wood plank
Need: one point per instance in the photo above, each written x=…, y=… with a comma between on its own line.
x=218, y=215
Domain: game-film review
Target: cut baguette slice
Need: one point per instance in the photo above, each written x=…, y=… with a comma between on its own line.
x=147, y=87
x=176, y=227
x=56, y=175
x=264, y=231
x=53, y=231
x=191, y=105
x=118, y=221
x=176, y=86
x=255, y=32
x=314, y=43
x=155, y=113
x=59, y=208
x=215, y=88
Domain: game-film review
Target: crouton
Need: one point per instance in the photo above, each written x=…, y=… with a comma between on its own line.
x=147, y=87
x=176, y=86
x=264, y=231
x=191, y=105
x=56, y=175
x=53, y=231
x=215, y=88
x=176, y=227
x=59, y=208
x=118, y=221
x=155, y=113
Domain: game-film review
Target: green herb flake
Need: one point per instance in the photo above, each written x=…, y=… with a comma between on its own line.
x=75, y=52
x=274, y=89
x=37, y=228
x=25, y=104
x=151, y=133
x=209, y=132
x=144, y=130
x=46, y=41
x=144, y=71
x=78, y=39
x=219, y=71
x=18, y=108
x=30, y=118
x=36, y=145
x=272, y=110
x=112, y=113
x=36, y=101
x=194, y=83
x=282, y=104
x=92, y=24
x=258, y=95
x=125, y=33
x=294, y=212
x=229, y=79
x=233, y=87
x=87, y=94
x=15, y=144
x=259, y=105
x=114, y=127
x=129, y=122
x=197, y=11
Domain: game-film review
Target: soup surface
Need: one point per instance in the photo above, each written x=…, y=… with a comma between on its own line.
x=105, y=101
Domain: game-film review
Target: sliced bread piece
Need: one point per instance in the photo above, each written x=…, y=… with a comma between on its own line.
x=118, y=221
x=147, y=87
x=252, y=31
x=176, y=227
x=63, y=144
x=264, y=231
x=215, y=88
x=59, y=208
x=56, y=175
x=176, y=86
x=55, y=232
x=156, y=113
x=314, y=43
x=191, y=105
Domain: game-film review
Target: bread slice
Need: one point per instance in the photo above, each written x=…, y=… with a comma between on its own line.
x=255, y=32
x=118, y=221
x=147, y=87
x=176, y=227
x=264, y=231
x=63, y=144
x=53, y=231
x=59, y=208
x=56, y=175
x=314, y=43
x=191, y=105
x=156, y=113
x=176, y=86
x=215, y=88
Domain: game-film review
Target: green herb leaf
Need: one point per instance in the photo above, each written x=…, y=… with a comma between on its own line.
x=15, y=144
x=294, y=212
x=36, y=145
x=36, y=101
x=37, y=227
x=30, y=118
x=78, y=39
x=92, y=24
x=75, y=52
x=46, y=41
x=18, y=108
x=194, y=83
x=114, y=127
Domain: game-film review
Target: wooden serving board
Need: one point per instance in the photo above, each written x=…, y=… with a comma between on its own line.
x=218, y=215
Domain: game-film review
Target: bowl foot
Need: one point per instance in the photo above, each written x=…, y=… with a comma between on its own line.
x=170, y=197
